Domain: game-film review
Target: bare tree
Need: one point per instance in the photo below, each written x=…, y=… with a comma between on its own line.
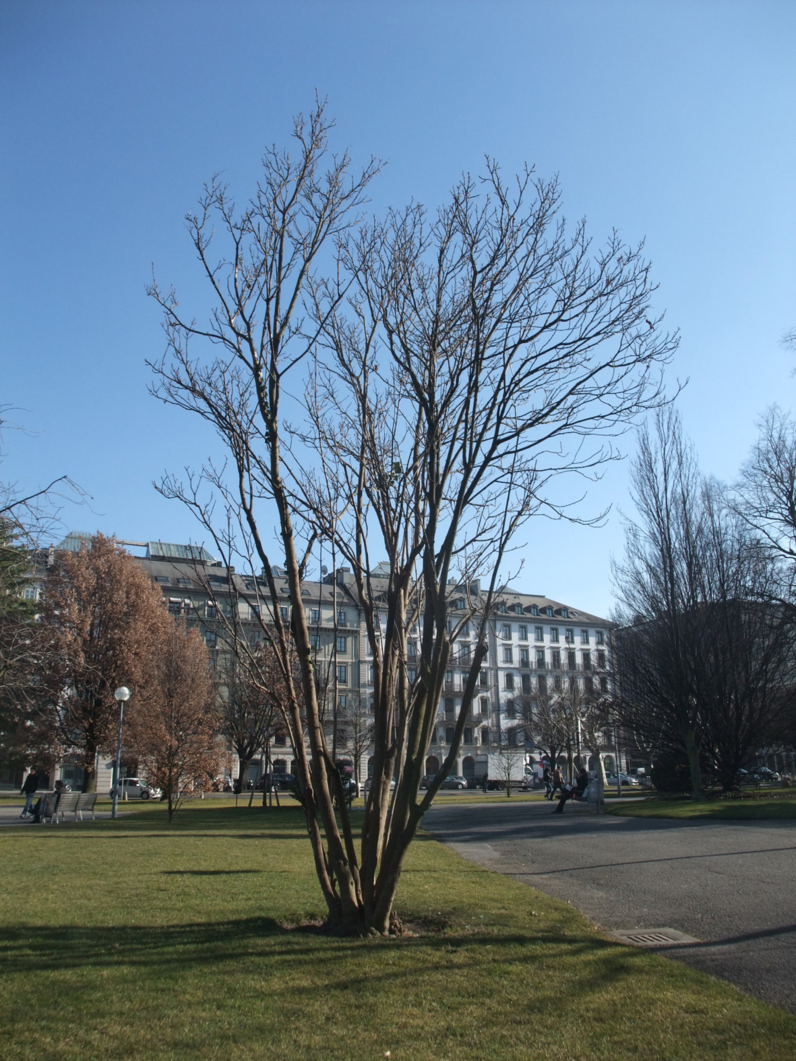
x=765, y=494
x=248, y=714
x=173, y=728
x=355, y=730
x=508, y=758
x=705, y=654
x=411, y=406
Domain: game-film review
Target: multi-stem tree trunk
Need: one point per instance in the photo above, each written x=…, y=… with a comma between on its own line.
x=439, y=375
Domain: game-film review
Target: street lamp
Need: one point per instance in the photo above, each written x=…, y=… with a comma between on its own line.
x=122, y=694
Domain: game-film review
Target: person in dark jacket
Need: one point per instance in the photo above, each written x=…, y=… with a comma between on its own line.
x=548, y=783
x=576, y=791
x=28, y=790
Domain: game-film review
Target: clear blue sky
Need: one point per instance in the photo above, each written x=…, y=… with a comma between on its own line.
x=670, y=120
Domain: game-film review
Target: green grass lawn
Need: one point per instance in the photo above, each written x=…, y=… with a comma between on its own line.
x=136, y=940
x=757, y=806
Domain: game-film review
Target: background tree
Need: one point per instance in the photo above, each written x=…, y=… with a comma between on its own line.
x=451, y=367
x=765, y=493
x=508, y=758
x=105, y=620
x=355, y=730
x=173, y=726
x=249, y=705
x=705, y=658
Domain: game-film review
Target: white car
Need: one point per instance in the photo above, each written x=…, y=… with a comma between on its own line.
x=134, y=788
x=626, y=779
x=369, y=782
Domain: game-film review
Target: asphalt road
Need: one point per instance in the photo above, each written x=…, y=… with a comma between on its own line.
x=730, y=885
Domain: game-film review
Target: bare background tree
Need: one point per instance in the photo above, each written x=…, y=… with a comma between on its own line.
x=412, y=404
x=705, y=657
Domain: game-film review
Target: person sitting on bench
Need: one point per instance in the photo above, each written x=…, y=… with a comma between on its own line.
x=576, y=791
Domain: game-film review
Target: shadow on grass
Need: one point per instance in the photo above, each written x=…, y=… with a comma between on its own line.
x=30, y=950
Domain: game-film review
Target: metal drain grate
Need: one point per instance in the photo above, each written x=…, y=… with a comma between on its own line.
x=652, y=937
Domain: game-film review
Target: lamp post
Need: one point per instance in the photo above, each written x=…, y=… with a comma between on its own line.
x=122, y=694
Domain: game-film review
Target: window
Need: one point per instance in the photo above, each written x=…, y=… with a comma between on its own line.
x=183, y=582
x=556, y=660
x=448, y=679
x=588, y=684
x=509, y=681
x=584, y=637
x=526, y=683
x=505, y=631
x=485, y=734
x=448, y=626
x=507, y=654
x=569, y=635
x=601, y=660
x=557, y=683
x=175, y=606
x=315, y=616
x=540, y=660
x=342, y=701
x=341, y=618
x=411, y=649
x=511, y=709
x=161, y=578
x=525, y=657
x=549, y=611
x=603, y=685
x=512, y=737
x=315, y=642
x=565, y=613
x=502, y=606
x=342, y=673
x=571, y=660
x=534, y=610
x=523, y=632
x=449, y=731
x=411, y=675
x=468, y=734
x=586, y=657
x=554, y=634
x=483, y=679
x=371, y=675
x=283, y=613
x=449, y=702
x=211, y=611
x=29, y=593
x=280, y=739
x=542, y=679
x=255, y=610
x=210, y=638
x=341, y=644
x=599, y=636
x=539, y=633
x=484, y=705
x=460, y=604
x=464, y=651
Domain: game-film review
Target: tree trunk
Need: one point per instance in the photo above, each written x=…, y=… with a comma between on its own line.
x=90, y=769
x=693, y=764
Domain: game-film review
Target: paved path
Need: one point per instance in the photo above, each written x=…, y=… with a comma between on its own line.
x=731, y=885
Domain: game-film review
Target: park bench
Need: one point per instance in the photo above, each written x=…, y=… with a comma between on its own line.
x=56, y=806
x=85, y=804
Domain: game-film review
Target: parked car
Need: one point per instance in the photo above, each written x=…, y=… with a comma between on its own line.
x=427, y=779
x=454, y=781
x=283, y=781
x=369, y=782
x=626, y=779
x=134, y=788
x=768, y=775
x=746, y=777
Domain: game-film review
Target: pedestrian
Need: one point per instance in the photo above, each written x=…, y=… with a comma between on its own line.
x=28, y=790
x=576, y=791
x=548, y=784
x=485, y=781
x=558, y=782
